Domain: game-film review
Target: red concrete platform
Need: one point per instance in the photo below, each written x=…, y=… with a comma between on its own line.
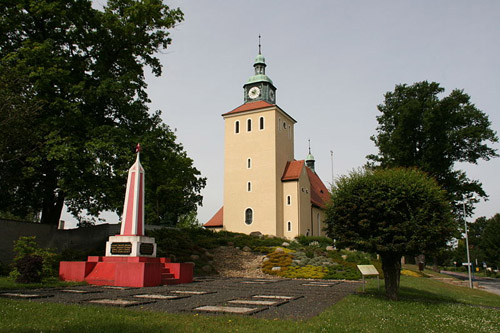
x=126, y=271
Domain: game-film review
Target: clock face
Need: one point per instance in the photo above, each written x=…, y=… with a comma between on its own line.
x=254, y=92
x=271, y=94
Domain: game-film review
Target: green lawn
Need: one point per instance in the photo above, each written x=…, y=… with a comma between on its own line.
x=425, y=306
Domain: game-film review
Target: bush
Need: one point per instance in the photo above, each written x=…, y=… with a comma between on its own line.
x=26, y=248
x=29, y=269
x=307, y=240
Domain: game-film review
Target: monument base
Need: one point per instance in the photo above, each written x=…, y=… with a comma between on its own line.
x=126, y=271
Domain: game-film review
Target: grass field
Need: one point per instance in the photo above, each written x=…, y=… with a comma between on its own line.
x=425, y=306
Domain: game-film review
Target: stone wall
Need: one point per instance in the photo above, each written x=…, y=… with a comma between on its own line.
x=48, y=236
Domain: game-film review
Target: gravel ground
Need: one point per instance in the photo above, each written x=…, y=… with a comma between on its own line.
x=310, y=297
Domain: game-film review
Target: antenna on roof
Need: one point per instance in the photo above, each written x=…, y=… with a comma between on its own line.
x=259, y=43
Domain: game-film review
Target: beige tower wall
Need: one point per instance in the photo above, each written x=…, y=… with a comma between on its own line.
x=318, y=225
x=269, y=150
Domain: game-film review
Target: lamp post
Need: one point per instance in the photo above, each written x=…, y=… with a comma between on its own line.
x=469, y=269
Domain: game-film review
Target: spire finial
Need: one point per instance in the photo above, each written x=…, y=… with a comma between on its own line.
x=259, y=44
x=309, y=145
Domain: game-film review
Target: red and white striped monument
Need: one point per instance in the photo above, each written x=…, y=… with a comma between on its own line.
x=130, y=259
x=131, y=241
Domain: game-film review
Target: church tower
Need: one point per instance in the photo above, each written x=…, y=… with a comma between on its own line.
x=259, y=141
x=265, y=188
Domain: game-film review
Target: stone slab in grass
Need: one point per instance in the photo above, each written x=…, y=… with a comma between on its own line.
x=257, y=282
x=257, y=302
x=24, y=295
x=160, y=296
x=118, y=302
x=80, y=291
x=289, y=298
x=192, y=292
x=228, y=309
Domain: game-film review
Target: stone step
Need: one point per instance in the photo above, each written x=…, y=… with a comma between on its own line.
x=170, y=281
x=167, y=275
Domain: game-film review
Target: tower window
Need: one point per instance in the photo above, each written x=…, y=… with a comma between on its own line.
x=248, y=216
x=237, y=126
x=249, y=163
x=249, y=125
x=261, y=123
x=288, y=200
x=249, y=186
x=289, y=226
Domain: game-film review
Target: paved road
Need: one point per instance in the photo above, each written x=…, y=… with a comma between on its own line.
x=284, y=299
x=489, y=284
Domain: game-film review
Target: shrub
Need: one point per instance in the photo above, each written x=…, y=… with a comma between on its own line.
x=307, y=240
x=29, y=269
x=306, y=272
x=277, y=259
x=27, y=247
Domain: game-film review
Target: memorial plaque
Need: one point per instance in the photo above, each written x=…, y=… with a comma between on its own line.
x=146, y=249
x=121, y=248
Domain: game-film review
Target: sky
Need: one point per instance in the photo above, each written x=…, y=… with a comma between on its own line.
x=331, y=62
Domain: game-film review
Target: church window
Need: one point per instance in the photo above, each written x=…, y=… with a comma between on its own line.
x=284, y=125
x=289, y=200
x=249, y=186
x=248, y=216
x=289, y=226
x=249, y=163
x=249, y=125
x=237, y=127
x=261, y=123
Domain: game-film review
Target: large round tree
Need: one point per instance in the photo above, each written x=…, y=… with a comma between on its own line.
x=391, y=212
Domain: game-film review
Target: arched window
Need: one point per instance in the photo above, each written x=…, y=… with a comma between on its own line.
x=261, y=123
x=248, y=216
x=237, y=127
x=249, y=163
x=288, y=200
x=249, y=125
x=289, y=226
x=249, y=186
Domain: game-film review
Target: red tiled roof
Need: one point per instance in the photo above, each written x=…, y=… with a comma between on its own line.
x=319, y=192
x=216, y=220
x=250, y=106
x=292, y=170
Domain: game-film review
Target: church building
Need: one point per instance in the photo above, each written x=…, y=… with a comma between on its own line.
x=265, y=189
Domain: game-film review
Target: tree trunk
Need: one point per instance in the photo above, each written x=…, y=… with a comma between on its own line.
x=52, y=209
x=391, y=265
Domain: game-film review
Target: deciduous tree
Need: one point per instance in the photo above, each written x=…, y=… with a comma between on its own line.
x=418, y=128
x=392, y=212
x=74, y=104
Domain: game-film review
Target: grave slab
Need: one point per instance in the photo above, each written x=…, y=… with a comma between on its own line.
x=80, y=291
x=117, y=302
x=228, y=309
x=24, y=296
x=256, y=302
x=159, y=296
x=192, y=292
x=275, y=297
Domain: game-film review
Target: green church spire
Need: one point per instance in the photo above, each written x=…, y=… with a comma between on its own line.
x=260, y=86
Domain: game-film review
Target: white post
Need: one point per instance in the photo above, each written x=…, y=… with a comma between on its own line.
x=469, y=268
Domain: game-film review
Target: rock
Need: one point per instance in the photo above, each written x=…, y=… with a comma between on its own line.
x=247, y=249
x=285, y=244
x=276, y=269
x=265, y=259
x=279, y=250
x=256, y=234
x=344, y=256
x=194, y=257
x=207, y=269
x=330, y=248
